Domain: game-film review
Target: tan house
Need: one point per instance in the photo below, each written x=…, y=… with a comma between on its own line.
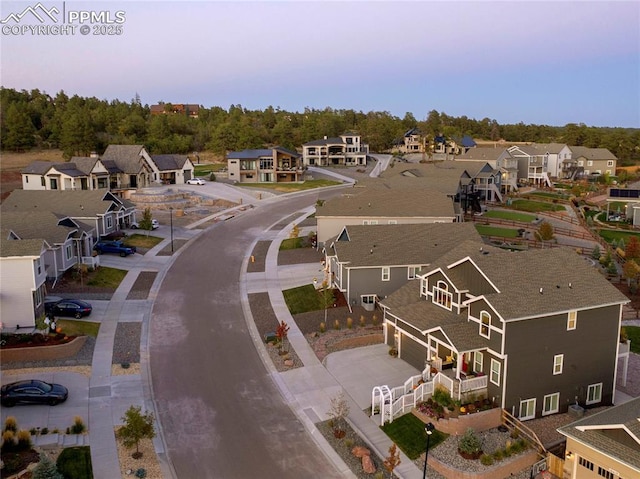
x=272, y=165
x=413, y=141
x=604, y=445
x=588, y=162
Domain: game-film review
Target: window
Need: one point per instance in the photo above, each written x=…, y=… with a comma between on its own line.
x=580, y=163
x=413, y=271
x=26, y=179
x=386, y=274
x=393, y=222
x=266, y=163
x=68, y=252
x=558, y=359
x=550, y=404
x=495, y=372
x=478, y=361
x=586, y=464
x=109, y=222
x=424, y=287
x=527, y=409
x=572, y=319
x=485, y=322
x=368, y=299
x=38, y=264
x=589, y=162
x=442, y=296
x=594, y=393
x=369, y=222
x=606, y=474
x=609, y=163
x=42, y=181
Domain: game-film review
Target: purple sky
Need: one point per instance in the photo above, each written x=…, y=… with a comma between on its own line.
x=536, y=62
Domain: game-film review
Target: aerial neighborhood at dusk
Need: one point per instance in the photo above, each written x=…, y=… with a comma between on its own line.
x=320, y=254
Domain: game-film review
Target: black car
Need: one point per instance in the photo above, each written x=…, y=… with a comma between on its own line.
x=75, y=308
x=33, y=392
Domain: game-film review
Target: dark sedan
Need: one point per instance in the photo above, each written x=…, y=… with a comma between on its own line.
x=75, y=308
x=33, y=392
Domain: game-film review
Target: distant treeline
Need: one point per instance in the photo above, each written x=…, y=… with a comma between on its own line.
x=78, y=126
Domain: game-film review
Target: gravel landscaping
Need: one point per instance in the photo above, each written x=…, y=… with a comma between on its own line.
x=142, y=285
x=126, y=343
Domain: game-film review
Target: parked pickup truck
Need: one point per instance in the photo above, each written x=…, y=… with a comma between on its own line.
x=118, y=247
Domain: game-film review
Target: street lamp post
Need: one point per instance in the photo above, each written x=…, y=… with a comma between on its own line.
x=429, y=428
x=171, y=223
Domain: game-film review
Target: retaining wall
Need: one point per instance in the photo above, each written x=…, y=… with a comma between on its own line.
x=43, y=353
x=479, y=421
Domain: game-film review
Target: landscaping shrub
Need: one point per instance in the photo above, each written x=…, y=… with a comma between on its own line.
x=470, y=443
x=486, y=460
x=363, y=321
x=141, y=473
x=78, y=426
x=46, y=469
x=8, y=441
x=24, y=440
x=349, y=322
x=10, y=424
x=75, y=463
x=323, y=327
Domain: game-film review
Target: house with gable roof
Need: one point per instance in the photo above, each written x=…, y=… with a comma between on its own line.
x=79, y=173
x=346, y=150
x=370, y=262
x=103, y=211
x=173, y=169
x=606, y=444
x=130, y=167
x=374, y=205
x=267, y=165
x=413, y=141
x=22, y=280
x=501, y=318
x=586, y=162
x=531, y=162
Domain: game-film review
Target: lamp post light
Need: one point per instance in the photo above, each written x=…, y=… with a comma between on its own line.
x=429, y=428
x=171, y=223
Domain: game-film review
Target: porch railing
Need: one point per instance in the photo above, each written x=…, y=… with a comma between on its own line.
x=91, y=261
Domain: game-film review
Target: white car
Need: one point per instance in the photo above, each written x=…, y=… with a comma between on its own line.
x=195, y=181
x=154, y=225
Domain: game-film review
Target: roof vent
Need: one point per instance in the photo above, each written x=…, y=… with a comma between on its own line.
x=558, y=286
x=569, y=285
x=371, y=251
x=540, y=290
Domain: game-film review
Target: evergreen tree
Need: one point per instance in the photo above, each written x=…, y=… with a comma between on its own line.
x=46, y=469
x=19, y=134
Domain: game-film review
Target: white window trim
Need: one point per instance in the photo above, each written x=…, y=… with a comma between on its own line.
x=442, y=297
x=594, y=387
x=558, y=364
x=368, y=299
x=393, y=222
x=495, y=371
x=68, y=252
x=546, y=412
x=572, y=320
x=478, y=360
x=528, y=402
x=413, y=271
x=482, y=325
x=386, y=273
x=109, y=221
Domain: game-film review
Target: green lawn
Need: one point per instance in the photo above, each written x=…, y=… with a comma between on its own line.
x=288, y=187
x=302, y=299
x=511, y=215
x=610, y=235
x=408, y=433
x=78, y=328
x=633, y=333
x=142, y=240
x=485, y=230
x=204, y=170
x=291, y=243
x=535, y=206
x=75, y=463
x=105, y=277
x=544, y=194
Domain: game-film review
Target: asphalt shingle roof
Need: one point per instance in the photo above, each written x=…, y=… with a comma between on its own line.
x=401, y=244
x=383, y=202
x=24, y=247
x=42, y=225
x=600, y=438
x=249, y=154
x=128, y=158
x=78, y=203
x=591, y=153
x=169, y=162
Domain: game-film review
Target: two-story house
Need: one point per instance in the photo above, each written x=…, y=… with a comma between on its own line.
x=379, y=205
x=345, y=150
x=532, y=164
x=22, y=280
x=587, y=162
x=606, y=444
x=413, y=141
x=540, y=327
x=102, y=210
x=368, y=262
x=270, y=165
x=190, y=110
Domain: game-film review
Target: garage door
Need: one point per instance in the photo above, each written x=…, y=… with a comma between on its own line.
x=412, y=352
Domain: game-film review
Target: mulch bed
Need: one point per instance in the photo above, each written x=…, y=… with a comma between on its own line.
x=259, y=255
x=142, y=285
x=29, y=340
x=17, y=461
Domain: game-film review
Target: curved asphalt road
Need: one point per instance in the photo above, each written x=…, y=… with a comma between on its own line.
x=221, y=413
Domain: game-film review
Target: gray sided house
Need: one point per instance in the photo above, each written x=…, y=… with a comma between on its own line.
x=368, y=263
x=379, y=205
x=67, y=240
x=269, y=165
x=538, y=330
x=586, y=162
x=130, y=167
x=102, y=210
x=22, y=280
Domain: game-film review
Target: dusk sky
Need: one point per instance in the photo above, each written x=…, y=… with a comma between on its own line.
x=534, y=62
